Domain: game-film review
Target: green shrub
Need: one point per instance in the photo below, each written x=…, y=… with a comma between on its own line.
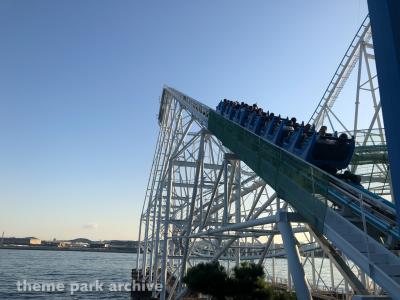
x=207, y=278
x=283, y=295
x=246, y=283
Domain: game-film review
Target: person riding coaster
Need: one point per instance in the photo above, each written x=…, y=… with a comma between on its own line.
x=322, y=149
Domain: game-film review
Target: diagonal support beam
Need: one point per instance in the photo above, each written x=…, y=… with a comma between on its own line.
x=340, y=264
x=192, y=206
x=292, y=252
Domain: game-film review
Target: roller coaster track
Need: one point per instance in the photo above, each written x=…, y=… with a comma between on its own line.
x=341, y=74
x=359, y=224
x=206, y=168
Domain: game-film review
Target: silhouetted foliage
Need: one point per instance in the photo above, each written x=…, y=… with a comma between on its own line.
x=282, y=295
x=247, y=282
x=207, y=278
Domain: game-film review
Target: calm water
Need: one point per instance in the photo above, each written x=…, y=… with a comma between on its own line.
x=76, y=270
x=73, y=269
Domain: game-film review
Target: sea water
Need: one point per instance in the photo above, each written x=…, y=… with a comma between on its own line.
x=41, y=274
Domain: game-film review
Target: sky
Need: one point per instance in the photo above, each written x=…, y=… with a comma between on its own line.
x=80, y=83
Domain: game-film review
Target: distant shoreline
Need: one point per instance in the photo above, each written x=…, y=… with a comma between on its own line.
x=100, y=250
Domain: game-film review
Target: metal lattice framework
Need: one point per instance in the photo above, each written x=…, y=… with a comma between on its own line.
x=203, y=203
x=366, y=125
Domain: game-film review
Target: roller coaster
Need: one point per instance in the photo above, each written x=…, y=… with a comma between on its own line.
x=238, y=184
x=328, y=151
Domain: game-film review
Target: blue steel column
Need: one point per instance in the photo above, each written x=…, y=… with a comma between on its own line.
x=385, y=25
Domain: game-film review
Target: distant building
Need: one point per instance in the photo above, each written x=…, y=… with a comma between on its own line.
x=50, y=243
x=79, y=245
x=64, y=244
x=34, y=241
x=28, y=241
x=122, y=244
x=99, y=245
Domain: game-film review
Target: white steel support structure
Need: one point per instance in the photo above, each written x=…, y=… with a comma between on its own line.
x=292, y=252
x=366, y=123
x=203, y=204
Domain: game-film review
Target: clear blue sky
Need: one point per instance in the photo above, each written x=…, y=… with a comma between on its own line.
x=80, y=83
